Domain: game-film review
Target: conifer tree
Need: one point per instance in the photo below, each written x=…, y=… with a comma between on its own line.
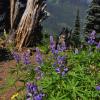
x=76, y=32
x=93, y=17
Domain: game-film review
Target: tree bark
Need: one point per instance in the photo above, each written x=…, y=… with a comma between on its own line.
x=12, y=5
x=30, y=20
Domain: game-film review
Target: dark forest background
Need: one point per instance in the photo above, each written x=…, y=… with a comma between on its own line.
x=63, y=12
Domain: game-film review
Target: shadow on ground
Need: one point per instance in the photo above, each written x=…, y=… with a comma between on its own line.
x=5, y=55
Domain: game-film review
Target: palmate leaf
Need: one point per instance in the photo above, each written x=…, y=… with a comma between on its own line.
x=81, y=96
x=63, y=97
x=58, y=96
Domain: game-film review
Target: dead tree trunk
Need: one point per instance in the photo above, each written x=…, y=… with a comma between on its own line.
x=29, y=26
x=12, y=5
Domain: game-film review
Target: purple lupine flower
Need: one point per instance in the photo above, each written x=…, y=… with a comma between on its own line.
x=51, y=39
x=58, y=70
x=31, y=88
x=37, y=69
x=63, y=46
x=65, y=69
x=39, y=73
x=58, y=47
x=62, y=70
x=52, y=44
x=39, y=97
x=38, y=56
x=60, y=60
x=16, y=56
x=26, y=58
x=98, y=87
x=92, y=35
x=33, y=92
x=56, y=52
x=91, y=39
x=98, y=45
x=54, y=65
x=63, y=73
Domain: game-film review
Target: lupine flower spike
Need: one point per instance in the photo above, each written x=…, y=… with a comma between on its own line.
x=98, y=87
x=26, y=58
x=91, y=39
x=33, y=92
x=98, y=45
x=38, y=56
x=16, y=57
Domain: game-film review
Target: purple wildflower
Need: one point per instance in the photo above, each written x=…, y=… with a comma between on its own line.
x=60, y=60
x=63, y=46
x=52, y=44
x=38, y=56
x=56, y=52
x=51, y=39
x=37, y=69
x=26, y=58
x=91, y=39
x=54, y=65
x=98, y=45
x=39, y=97
x=58, y=70
x=33, y=92
x=31, y=88
x=62, y=70
x=39, y=73
x=58, y=47
x=16, y=57
x=92, y=35
x=65, y=70
x=98, y=87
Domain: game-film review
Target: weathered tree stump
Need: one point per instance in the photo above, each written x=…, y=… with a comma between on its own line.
x=29, y=27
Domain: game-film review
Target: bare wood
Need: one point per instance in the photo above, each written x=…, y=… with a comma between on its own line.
x=12, y=5
x=29, y=21
x=23, y=33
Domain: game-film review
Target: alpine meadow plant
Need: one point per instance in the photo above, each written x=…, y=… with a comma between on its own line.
x=16, y=56
x=62, y=75
x=38, y=56
x=98, y=87
x=98, y=45
x=59, y=63
x=91, y=38
x=52, y=44
x=26, y=58
x=33, y=92
x=39, y=74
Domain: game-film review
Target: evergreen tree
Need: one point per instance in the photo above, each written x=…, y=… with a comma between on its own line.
x=76, y=32
x=93, y=17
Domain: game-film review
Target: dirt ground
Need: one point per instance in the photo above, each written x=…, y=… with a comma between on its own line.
x=4, y=68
